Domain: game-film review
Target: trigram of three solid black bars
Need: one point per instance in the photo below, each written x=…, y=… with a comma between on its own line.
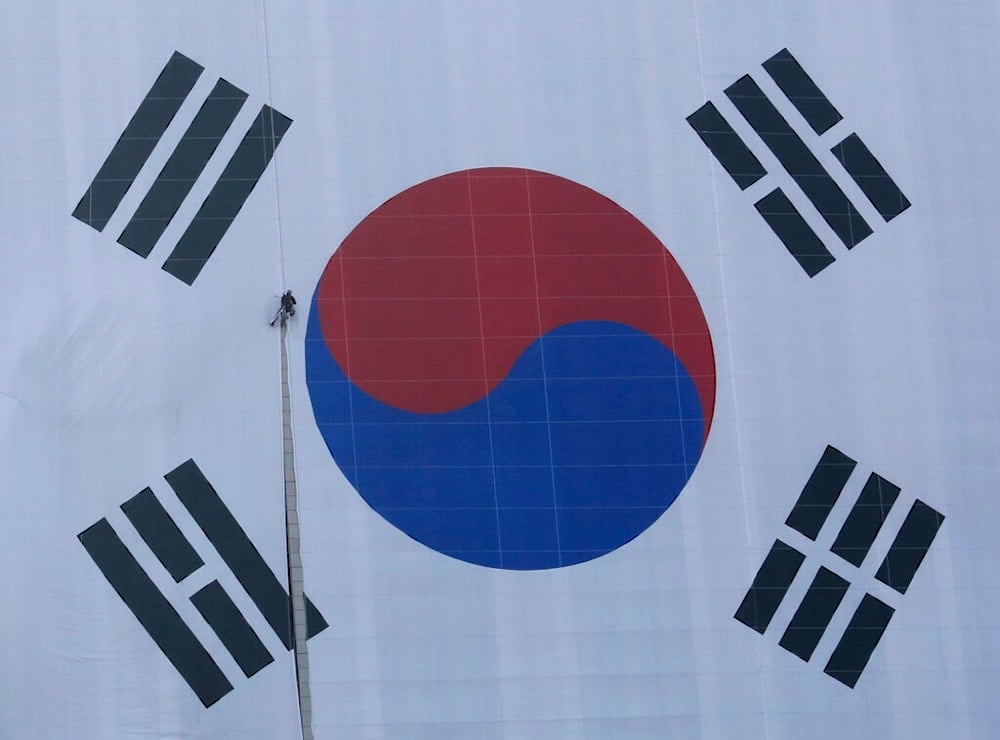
x=852, y=545
x=183, y=168
x=799, y=162
x=157, y=614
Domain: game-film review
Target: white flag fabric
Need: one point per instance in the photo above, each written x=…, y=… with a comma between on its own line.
x=641, y=373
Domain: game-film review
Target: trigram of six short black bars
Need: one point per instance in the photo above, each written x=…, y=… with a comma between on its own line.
x=852, y=544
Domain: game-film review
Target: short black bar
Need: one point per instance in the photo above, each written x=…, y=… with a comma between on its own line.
x=799, y=88
x=821, y=492
x=232, y=628
x=798, y=161
x=155, y=613
x=793, y=231
x=228, y=195
x=865, y=520
x=814, y=614
x=871, y=177
x=858, y=643
x=734, y=155
x=161, y=533
x=910, y=546
x=315, y=623
x=182, y=169
x=769, y=586
x=137, y=142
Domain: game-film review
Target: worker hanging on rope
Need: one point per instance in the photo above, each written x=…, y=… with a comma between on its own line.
x=286, y=310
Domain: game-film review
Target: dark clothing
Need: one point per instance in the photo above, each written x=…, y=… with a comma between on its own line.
x=287, y=308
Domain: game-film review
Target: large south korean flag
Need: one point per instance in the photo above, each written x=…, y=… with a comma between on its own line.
x=640, y=381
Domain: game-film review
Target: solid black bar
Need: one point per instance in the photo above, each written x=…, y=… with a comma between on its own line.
x=814, y=614
x=315, y=623
x=910, y=546
x=236, y=549
x=735, y=157
x=865, y=520
x=769, y=586
x=137, y=141
x=799, y=88
x=871, y=177
x=232, y=628
x=183, y=168
x=155, y=613
x=858, y=643
x=820, y=492
x=158, y=530
x=798, y=161
x=228, y=195
x=793, y=231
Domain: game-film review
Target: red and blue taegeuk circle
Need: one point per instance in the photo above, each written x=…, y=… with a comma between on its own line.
x=510, y=368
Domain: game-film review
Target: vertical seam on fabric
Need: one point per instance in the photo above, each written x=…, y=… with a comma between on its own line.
x=545, y=381
x=729, y=342
x=486, y=377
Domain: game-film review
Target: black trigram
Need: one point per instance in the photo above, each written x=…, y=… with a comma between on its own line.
x=852, y=545
x=799, y=162
x=184, y=166
x=154, y=610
